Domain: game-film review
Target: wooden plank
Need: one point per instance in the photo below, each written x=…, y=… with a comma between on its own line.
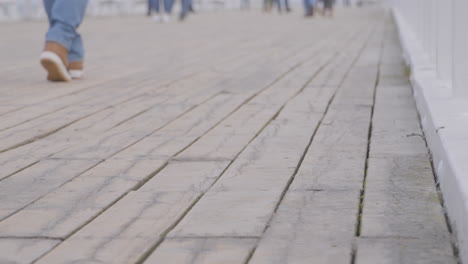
x=310, y=227
x=121, y=137
x=203, y=251
x=59, y=213
x=123, y=233
x=36, y=181
x=397, y=130
x=401, y=200
x=337, y=156
x=226, y=140
x=112, y=237
x=404, y=250
x=402, y=214
x=267, y=164
x=53, y=122
x=401, y=197
x=14, y=250
x=181, y=133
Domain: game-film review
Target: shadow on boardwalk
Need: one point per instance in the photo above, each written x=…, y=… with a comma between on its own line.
x=236, y=138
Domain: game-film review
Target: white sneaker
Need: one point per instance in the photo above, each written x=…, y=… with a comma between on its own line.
x=166, y=18
x=54, y=66
x=156, y=18
x=76, y=74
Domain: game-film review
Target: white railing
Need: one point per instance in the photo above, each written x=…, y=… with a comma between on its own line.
x=434, y=36
x=441, y=28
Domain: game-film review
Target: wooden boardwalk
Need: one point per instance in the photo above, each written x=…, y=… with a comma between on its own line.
x=232, y=138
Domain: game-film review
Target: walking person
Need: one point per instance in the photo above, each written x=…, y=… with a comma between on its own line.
x=245, y=4
x=63, y=53
x=267, y=5
x=309, y=7
x=185, y=8
x=155, y=6
x=286, y=6
x=328, y=7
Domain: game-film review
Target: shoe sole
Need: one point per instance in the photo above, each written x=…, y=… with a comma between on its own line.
x=57, y=71
x=76, y=74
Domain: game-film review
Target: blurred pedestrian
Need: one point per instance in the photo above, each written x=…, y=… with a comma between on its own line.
x=185, y=9
x=286, y=6
x=190, y=7
x=309, y=7
x=268, y=5
x=245, y=4
x=328, y=7
x=63, y=52
x=148, y=11
x=155, y=6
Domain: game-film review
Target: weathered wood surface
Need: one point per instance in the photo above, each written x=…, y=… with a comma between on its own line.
x=233, y=138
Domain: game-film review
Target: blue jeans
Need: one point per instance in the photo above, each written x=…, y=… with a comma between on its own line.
x=309, y=6
x=167, y=5
x=185, y=6
x=64, y=18
x=286, y=5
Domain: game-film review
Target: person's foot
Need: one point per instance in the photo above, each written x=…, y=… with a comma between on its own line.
x=54, y=60
x=75, y=69
x=166, y=18
x=182, y=16
x=156, y=18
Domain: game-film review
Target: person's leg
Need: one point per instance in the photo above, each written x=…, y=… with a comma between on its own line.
x=190, y=7
x=307, y=7
x=48, y=9
x=168, y=6
x=76, y=58
x=278, y=4
x=286, y=4
x=155, y=5
x=64, y=18
x=185, y=6
x=167, y=11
